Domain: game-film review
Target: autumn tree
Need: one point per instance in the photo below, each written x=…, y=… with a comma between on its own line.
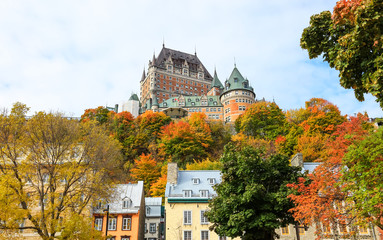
x=252, y=199
x=100, y=114
x=308, y=129
x=205, y=164
x=262, y=120
x=51, y=168
x=146, y=131
x=350, y=40
x=363, y=178
x=319, y=198
x=146, y=169
x=185, y=141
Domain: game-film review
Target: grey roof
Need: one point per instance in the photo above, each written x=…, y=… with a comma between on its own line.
x=121, y=192
x=178, y=59
x=185, y=182
x=153, y=201
x=310, y=166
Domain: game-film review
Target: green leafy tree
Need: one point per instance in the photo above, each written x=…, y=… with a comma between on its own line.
x=252, y=198
x=262, y=120
x=363, y=177
x=351, y=41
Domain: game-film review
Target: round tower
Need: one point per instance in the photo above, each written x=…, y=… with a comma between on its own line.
x=237, y=96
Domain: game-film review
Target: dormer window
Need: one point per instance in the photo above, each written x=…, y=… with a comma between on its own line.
x=165, y=104
x=147, y=210
x=211, y=181
x=126, y=202
x=235, y=79
x=187, y=193
x=204, y=193
x=195, y=180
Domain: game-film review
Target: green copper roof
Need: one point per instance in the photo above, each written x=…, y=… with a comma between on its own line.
x=216, y=82
x=191, y=101
x=237, y=81
x=134, y=97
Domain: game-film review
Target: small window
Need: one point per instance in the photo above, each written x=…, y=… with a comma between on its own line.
x=126, y=223
x=187, y=235
x=98, y=224
x=187, y=193
x=204, y=235
x=204, y=193
x=187, y=217
x=147, y=210
x=195, y=180
x=112, y=224
x=126, y=203
x=285, y=230
x=211, y=181
x=152, y=228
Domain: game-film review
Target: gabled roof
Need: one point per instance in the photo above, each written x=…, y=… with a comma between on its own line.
x=179, y=58
x=131, y=192
x=237, y=81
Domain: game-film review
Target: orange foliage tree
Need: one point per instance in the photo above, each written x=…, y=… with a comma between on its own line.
x=145, y=169
x=184, y=141
x=320, y=198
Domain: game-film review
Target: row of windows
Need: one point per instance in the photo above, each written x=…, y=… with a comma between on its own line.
x=243, y=100
x=211, y=181
x=204, y=235
x=202, y=193
x=325, y=229
x=112, y=223
x=182, y=81
x=188, y=217
x=212, y=116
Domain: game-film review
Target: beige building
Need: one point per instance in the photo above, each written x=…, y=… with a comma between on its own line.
x=186, y=200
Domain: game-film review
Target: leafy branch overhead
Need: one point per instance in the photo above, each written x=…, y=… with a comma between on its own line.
x=351, y=41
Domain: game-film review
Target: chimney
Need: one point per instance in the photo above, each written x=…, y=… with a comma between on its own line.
x=172, y=173
x=297, y=160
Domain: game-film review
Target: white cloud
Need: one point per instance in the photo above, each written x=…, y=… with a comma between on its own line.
x=73, y=55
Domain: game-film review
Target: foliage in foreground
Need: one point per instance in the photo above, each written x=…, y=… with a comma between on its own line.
x=252, y=198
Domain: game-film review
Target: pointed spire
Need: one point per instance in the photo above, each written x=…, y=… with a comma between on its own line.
x=163, y=42
x=216, y=82
x=195, y=50
x=154, y=58
x=235, y=63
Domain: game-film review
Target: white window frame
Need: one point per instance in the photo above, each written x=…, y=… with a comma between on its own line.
x=211, y=181
x=195, y=180
x=187, y=193
x=126, y=203
x=190, y=237
x=204, y=219
x=98, y=223
x=204, y=193
x=187, y=217
x=112, y=224
x=126, y=223
x=151, y=228
x=205, y=232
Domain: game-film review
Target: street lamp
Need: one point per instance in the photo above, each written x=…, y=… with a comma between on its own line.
x=107, y=219
x=297, y=227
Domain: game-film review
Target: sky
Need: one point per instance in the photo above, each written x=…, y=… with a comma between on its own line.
x=72, y=55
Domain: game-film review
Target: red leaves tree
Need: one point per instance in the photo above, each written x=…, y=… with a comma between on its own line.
x=320, y=198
